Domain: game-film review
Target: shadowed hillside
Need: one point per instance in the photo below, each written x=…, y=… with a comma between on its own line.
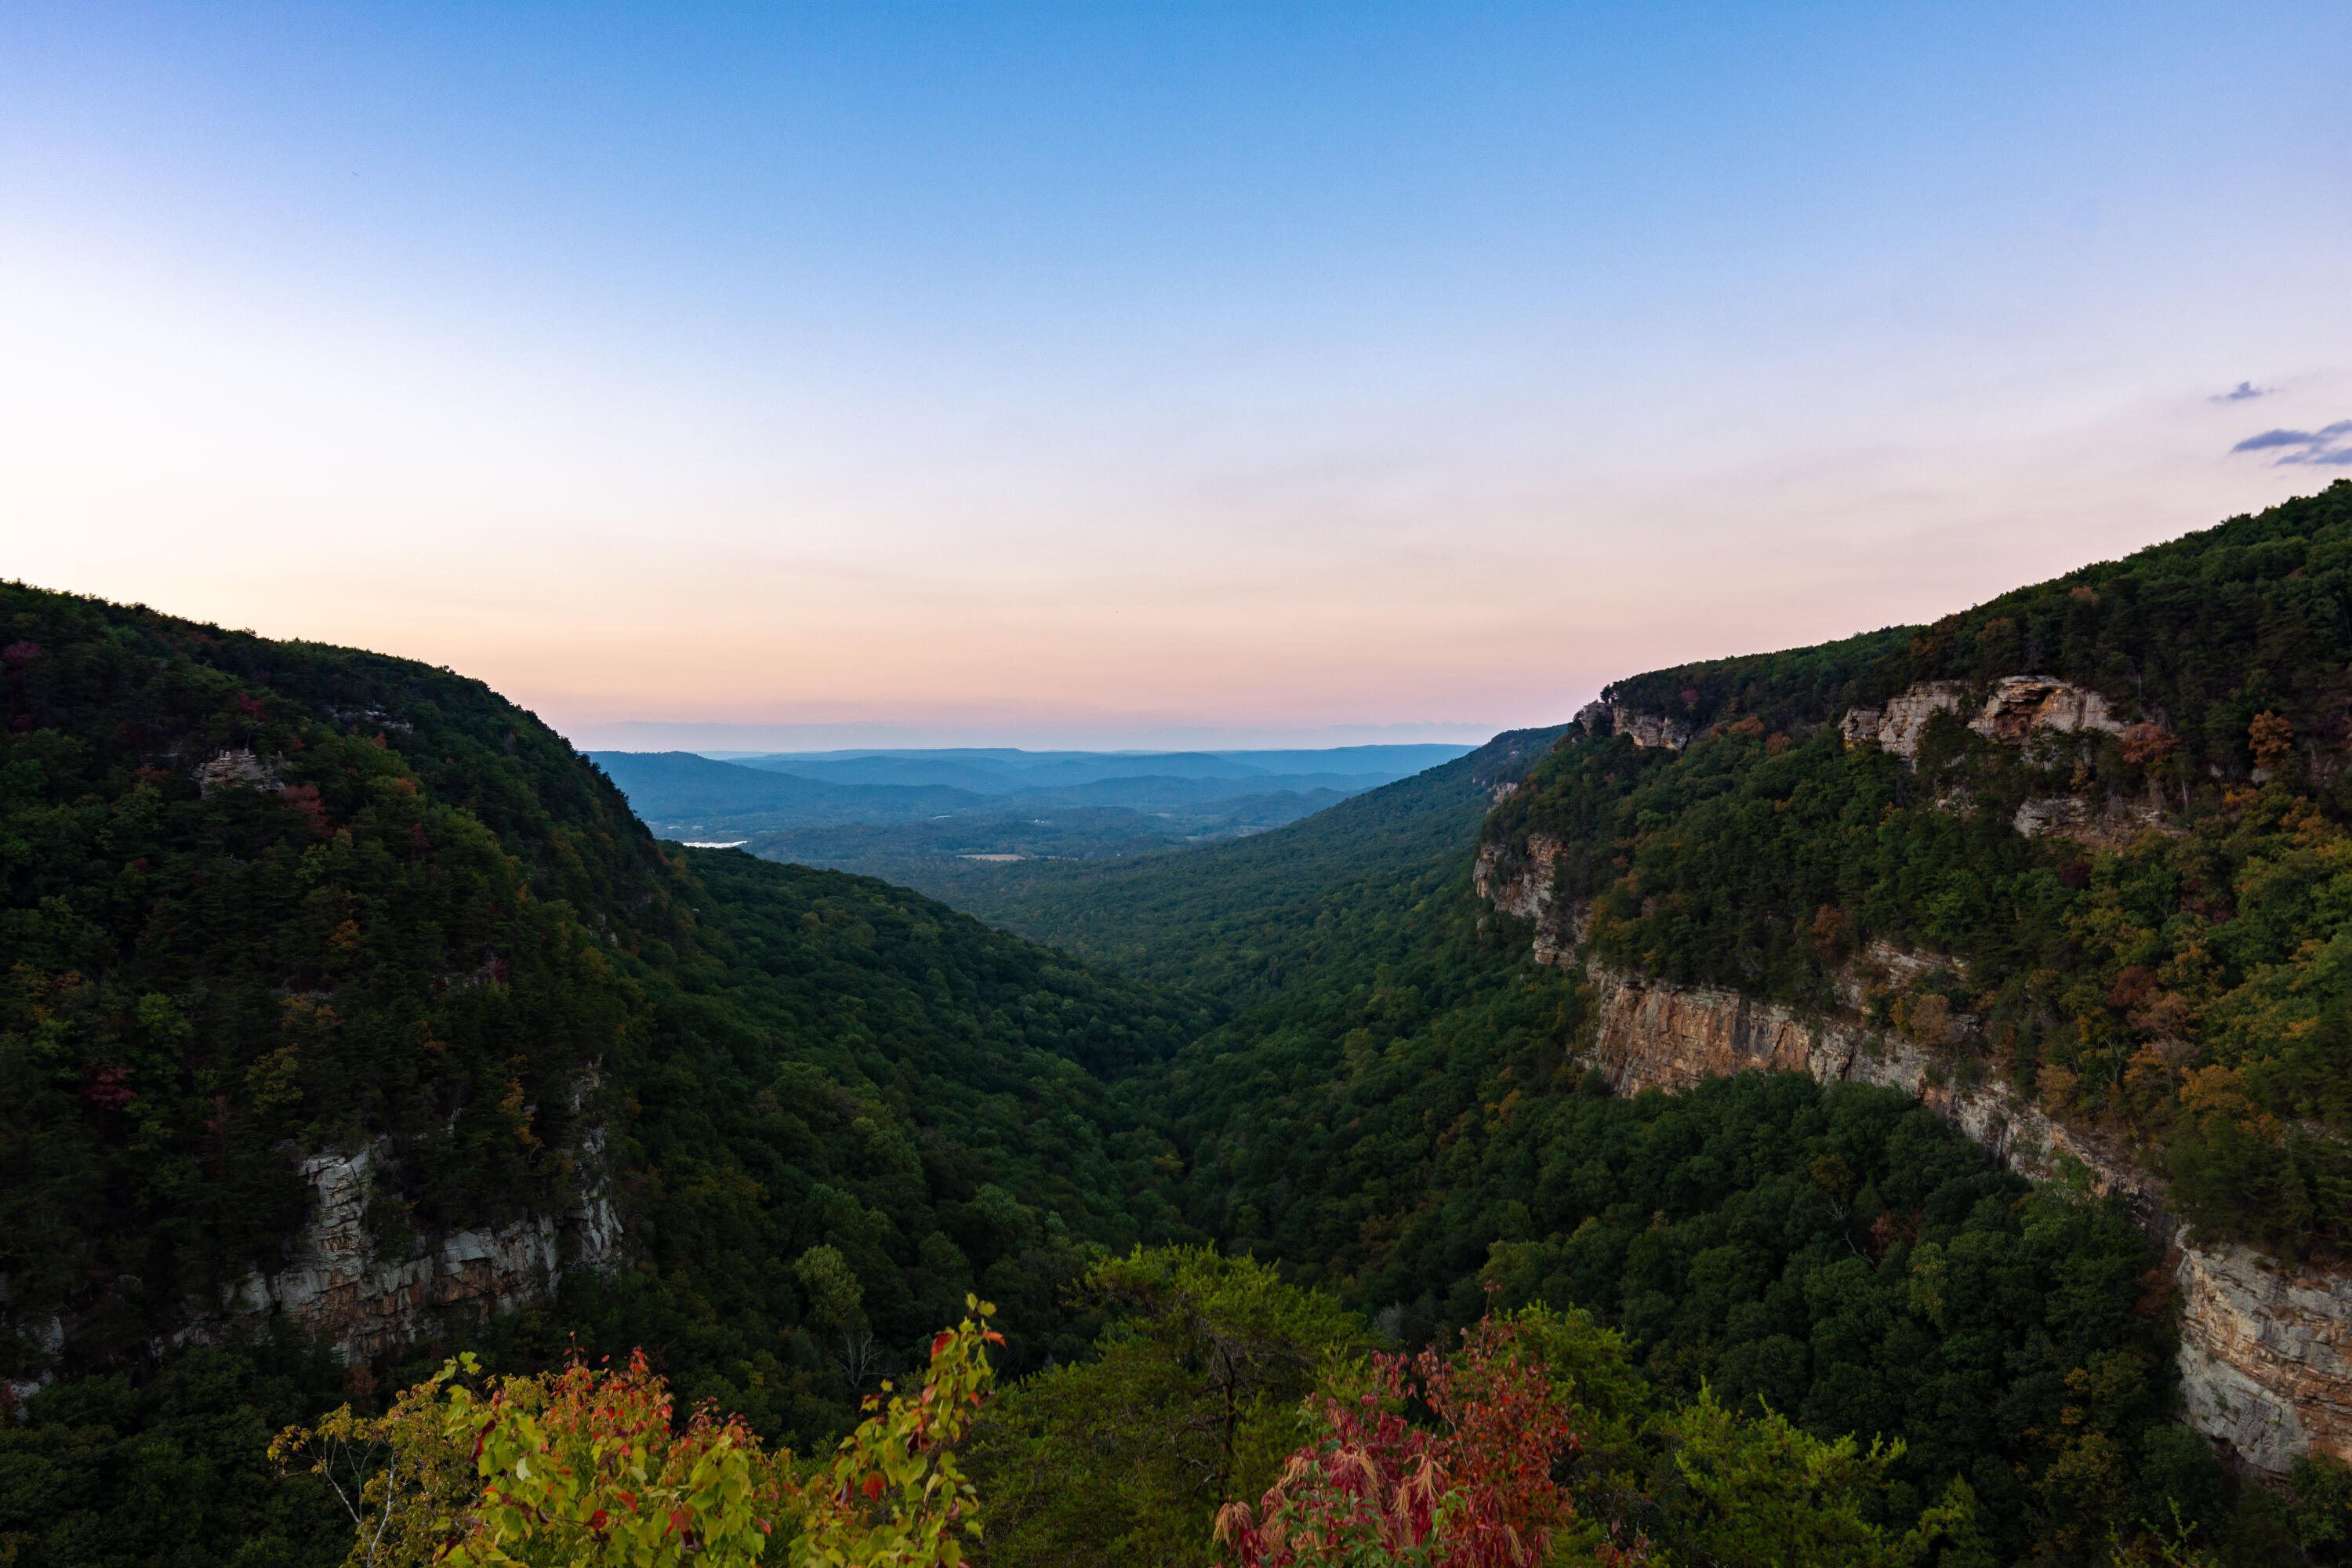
x=1233, y=921
x=279, y=916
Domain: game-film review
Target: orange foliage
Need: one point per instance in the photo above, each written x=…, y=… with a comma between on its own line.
x=2273, y=739
x=2146, y=745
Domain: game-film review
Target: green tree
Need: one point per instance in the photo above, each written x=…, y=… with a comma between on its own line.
x=1190, y=1403
x=1766, y=1493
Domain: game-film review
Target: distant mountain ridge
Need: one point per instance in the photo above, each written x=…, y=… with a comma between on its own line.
x=1387, y=761
x=665, y=788
x=1238, y=920
x=911, y=817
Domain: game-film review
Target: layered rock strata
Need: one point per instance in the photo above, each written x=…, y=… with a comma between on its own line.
x=2265, y=1351
x=2266, y=1355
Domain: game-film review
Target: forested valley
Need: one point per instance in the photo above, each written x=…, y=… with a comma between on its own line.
x=1268, y=1180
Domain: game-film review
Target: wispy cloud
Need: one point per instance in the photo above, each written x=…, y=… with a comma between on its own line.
x=2243, y=392
x=2327, y=447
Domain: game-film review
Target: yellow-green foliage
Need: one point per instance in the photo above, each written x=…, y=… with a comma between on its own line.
x=896, y=1493
x=589, y=1468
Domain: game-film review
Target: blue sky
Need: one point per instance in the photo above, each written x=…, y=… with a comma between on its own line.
x=1097, y=373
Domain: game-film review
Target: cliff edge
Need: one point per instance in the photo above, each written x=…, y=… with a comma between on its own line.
x=2265, y=1349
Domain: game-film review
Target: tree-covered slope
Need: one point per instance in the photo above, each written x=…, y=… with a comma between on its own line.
x=671, y=786
x=845, y=1065
x=263, y=900
x=1404, y=1125
x=2166, y=961
x=1237, y=921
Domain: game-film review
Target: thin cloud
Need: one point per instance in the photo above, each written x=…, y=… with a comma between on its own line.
x=2326, y=447
x=2243, y=392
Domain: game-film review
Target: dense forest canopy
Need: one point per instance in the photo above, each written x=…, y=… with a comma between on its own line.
x=268, y=900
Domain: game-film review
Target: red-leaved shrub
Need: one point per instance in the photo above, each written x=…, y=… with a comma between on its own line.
x=1475, y=1492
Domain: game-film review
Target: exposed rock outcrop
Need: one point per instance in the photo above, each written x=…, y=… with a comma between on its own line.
x=336, y=1287
x=227, y=769
x=2059, y=814
x=2021, y=704
x=1525, y=885
x=2266, y=1355
x=2114, y=824
x=2265, y=1352
x=2018, y=706
x=1898, y=726
x=1651, y=729
x=1646, y=730
x=1673, y=1037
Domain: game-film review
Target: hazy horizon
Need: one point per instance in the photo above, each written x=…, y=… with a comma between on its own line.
x=1146, y=375
x=747, y=740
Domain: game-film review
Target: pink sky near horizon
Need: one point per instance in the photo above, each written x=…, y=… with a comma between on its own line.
x=606, y=636
x=1177, y=380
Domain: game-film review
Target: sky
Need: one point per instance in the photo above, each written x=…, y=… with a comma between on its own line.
x=1127, y=373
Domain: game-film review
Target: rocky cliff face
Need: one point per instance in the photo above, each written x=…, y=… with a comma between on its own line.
x=2265, y=1353
x=336, y=1287
x=2017, y=707
x=2111, y=824
x=1644, y=730
x=1525, y=885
